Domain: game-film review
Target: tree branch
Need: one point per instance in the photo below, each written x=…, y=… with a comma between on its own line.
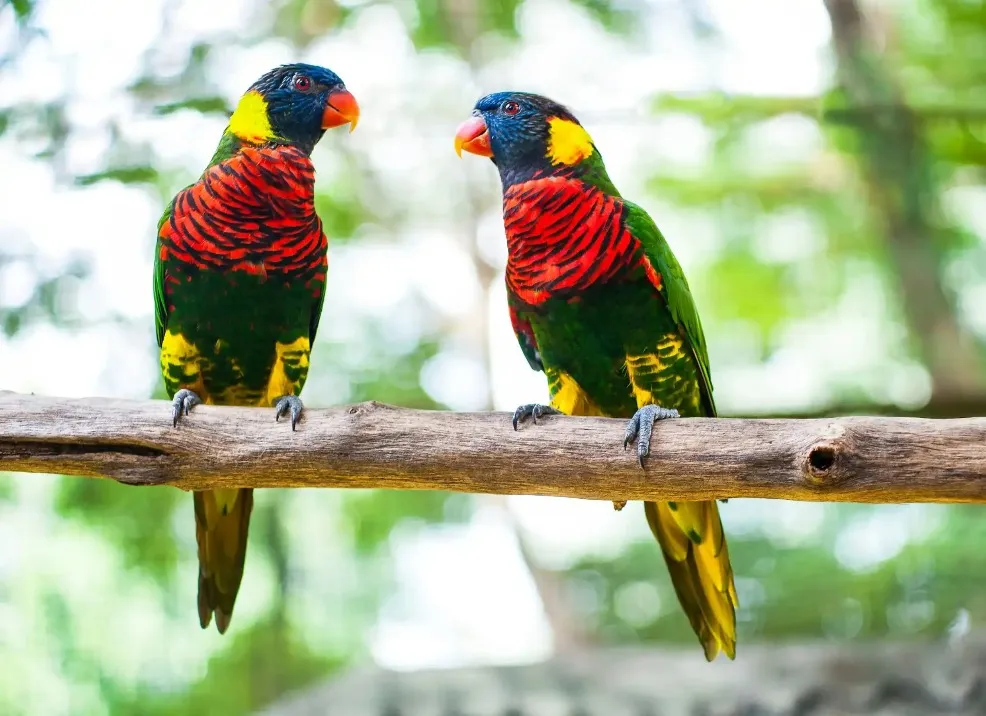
x=373, y=445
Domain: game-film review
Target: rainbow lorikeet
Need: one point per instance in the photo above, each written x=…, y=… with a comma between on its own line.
x=600, y=304
x=239, y=281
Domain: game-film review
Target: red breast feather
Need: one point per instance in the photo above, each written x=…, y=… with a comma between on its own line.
x=563, y=235
x=254, y=212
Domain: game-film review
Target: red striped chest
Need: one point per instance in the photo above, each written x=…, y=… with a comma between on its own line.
x=563, y=236
x=253, y=213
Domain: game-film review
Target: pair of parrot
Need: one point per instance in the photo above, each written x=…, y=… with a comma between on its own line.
x=596, y=298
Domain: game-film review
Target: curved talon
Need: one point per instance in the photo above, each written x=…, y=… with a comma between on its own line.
x=631, y=432
x=183, y=402
x=533, y=411
x=286, y=404
x=641, y=426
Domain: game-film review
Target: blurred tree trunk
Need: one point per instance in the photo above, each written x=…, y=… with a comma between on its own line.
x=568, y=626
x=898, y=168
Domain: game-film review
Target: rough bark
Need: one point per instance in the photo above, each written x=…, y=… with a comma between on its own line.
x=856, y=459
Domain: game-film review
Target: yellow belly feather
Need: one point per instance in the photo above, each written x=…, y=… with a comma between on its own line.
x=568, y=396
x=294, y=356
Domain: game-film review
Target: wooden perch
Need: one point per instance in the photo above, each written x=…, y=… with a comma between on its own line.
x=855, y=459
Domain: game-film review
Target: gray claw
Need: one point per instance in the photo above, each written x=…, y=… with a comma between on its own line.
x=533, y=411
x=641, y=426
x=288, y=404
x=183, y=401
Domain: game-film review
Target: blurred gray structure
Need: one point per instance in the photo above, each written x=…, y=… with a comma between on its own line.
x=906, y=679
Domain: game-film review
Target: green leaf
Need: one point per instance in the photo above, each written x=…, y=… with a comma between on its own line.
x=124, y=175
x=22, y=9
x=205, y=105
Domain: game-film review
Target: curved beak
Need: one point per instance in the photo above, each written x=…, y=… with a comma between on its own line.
x=473, y=136
x=340, y=108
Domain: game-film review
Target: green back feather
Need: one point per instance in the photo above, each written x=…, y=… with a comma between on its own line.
x=160, y=303
x=677, y=295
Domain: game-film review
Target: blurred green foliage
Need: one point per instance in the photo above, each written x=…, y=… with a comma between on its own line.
x=789, y=588
x=913, y=129
x=789, y=591
x=51, y=299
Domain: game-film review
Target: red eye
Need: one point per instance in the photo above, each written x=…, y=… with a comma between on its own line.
x=303, y=83
x=511, y=108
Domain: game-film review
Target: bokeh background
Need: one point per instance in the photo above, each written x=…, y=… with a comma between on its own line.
x=818, y=168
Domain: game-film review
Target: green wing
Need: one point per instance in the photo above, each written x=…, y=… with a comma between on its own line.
x=160, y=303
x=674, y=289
x=316, y=315
x=690, y=533
x=525, y=337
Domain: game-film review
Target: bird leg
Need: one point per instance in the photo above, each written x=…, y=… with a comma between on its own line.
x=641, y=426
x=183, y=401
x=533, y=411
x=288, y=404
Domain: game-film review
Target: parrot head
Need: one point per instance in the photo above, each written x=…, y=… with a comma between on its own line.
x=523, y=132
x=293, y=104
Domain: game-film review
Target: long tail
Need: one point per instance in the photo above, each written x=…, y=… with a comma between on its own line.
x=222, y=520
x=694, y=546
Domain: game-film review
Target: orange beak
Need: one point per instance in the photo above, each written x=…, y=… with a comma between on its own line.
x=473, y=136
x=340, y=108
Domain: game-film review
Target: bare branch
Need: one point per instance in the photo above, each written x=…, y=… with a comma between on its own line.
x=858, y=459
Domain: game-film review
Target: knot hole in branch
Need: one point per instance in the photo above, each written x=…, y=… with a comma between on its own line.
x=368, y=407
x=824, y=461
x=821, y=459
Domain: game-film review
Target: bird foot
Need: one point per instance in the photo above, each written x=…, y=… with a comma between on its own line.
x=288, y=404
x=183, y=401
x=533, y=411
x=641, y=426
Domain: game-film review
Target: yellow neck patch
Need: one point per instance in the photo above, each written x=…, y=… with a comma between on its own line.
x=568, y=142
x=249, y=122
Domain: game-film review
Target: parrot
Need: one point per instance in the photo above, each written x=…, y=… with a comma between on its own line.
x=240, y=268
x=600, y=304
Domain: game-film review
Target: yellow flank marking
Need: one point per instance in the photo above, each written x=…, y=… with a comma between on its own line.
x=653, y=377
x=181, y=364
x=250, y=121
x=568, y=396
x=641, y=370
x=290, y=369
x=568, y=142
